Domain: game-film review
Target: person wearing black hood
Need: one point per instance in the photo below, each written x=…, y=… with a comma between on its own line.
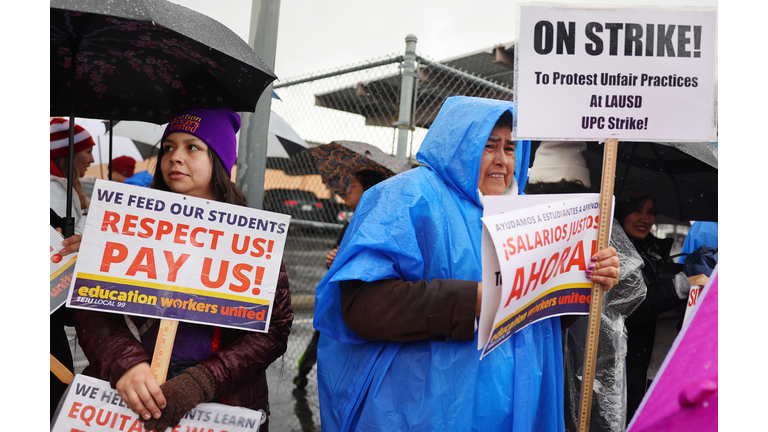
x=667, y=290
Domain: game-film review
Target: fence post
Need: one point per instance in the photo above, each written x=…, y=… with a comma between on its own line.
x=252, y=148
x=409, y=76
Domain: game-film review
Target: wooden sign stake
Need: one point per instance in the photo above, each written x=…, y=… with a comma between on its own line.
x=62, y=373
x=596, y=304
x=161, y=359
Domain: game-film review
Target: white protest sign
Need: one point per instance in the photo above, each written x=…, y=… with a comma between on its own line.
x=542, y=245
x=693, y=298
x=632, y=73
x=61, y=271
x=91, y=405
x=165, y=255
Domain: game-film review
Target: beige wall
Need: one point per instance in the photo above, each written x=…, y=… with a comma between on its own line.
x=100, y=171
x=277, y=179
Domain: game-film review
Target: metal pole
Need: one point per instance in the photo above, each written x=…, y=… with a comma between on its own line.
x=466, y=76
x=252, y=148
x=403, y=122
x=69, y=220
x=109, y=171
x=397, y=59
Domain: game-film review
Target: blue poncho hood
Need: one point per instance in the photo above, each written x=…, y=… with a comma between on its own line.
x=425, y=224
x=453, y=151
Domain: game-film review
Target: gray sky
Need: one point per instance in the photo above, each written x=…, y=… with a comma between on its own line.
x=315, y=35
x=323, y=35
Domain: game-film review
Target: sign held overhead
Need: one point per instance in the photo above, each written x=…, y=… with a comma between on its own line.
x=628, y=73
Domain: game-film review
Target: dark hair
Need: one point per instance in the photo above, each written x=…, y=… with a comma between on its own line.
x=223, y=188
x=559, y=187
x=369, y=178
x=625, y=208
x=506, y=119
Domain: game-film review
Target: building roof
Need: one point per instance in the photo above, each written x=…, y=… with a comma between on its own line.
x=484, y=73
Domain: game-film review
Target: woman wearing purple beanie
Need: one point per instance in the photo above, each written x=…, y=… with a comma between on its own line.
x=208, y=364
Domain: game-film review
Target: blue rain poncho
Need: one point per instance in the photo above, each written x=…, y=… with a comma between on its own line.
x=425, y=224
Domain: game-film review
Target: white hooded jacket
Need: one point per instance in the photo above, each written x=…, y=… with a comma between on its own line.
x=59, y=202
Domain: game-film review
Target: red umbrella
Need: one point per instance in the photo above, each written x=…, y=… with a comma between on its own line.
x=684, y=394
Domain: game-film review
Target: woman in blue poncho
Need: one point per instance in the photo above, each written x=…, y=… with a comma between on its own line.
x=397, y=309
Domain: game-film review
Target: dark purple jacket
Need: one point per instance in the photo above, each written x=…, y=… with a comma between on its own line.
x=239, y=365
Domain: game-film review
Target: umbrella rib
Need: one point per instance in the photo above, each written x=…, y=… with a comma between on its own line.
x=629, y=166
x=664, y=168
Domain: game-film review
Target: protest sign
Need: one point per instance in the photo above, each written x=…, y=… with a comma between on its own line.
x=91, y=405
x=632, y=73
x=62, y=372
x=693, y=298
x=165, y=255
x=61, y=271
x=541, y=246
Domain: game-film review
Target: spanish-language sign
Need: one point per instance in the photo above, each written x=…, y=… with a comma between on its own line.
x=542, y=246
x=639, y=73
x=165, y=255
x=91, y=405
x=61, y=271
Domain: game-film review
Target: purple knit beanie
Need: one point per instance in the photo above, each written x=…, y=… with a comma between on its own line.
x=217, y=128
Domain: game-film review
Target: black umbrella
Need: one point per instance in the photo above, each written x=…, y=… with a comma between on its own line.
x=682, y=176
x=146, y=60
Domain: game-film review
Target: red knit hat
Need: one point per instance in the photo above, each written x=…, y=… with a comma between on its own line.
x=60, y=138
x=124, y=165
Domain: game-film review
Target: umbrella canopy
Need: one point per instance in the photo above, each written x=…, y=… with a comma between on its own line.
x=338, y=160
x=283, y=141
x=682, y=176
x=684, y=394
x=147, y=60
x=121, y=146
x=145, y=133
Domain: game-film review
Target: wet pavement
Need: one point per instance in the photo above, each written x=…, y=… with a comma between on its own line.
x=292, y=409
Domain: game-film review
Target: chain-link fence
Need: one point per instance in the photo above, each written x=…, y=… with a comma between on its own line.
x=356, y=103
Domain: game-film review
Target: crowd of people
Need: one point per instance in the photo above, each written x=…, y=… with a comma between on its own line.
x=396, y=314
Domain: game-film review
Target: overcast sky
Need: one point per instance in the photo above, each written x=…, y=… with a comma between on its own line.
x=318, y=35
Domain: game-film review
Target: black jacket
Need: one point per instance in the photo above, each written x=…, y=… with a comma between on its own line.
x=659, y=274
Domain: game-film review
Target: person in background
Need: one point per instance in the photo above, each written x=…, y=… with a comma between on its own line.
x=123, y=171
x=652, y=327
x=122, y=168
x=59, y=165
x=208, y=363
x=559, y=167
x=361, y=181
x=397, y=310
x=83, y=158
